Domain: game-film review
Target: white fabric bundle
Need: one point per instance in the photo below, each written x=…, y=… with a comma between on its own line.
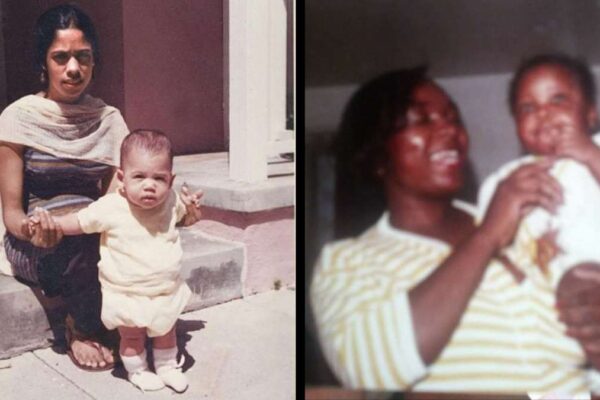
x=576, y=223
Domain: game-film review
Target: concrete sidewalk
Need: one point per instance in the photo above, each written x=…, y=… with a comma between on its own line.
x=243, y=349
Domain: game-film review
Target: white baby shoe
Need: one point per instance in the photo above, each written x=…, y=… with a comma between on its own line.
x=139, y=374
x=173, y=378
x=146, y=380
x=169, y=370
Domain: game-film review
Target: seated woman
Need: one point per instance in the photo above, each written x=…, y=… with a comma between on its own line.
x=58, y=151
x=421, y=301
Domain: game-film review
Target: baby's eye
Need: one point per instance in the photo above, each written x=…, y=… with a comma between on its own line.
x=559, y=99
x=138, y=176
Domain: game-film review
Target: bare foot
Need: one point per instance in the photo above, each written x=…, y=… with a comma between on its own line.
x=91, y=354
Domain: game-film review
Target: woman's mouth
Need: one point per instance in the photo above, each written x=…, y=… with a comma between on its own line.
x=446, y=157
x=73, y=83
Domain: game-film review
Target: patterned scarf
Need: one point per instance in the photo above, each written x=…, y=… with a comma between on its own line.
x=89, y=130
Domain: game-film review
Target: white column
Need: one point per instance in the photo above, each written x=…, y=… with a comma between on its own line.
x=257, y=59
x=248, y=89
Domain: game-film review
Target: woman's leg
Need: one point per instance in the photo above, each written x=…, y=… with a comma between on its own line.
x=81, y=292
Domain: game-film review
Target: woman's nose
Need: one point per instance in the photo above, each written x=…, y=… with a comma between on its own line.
x=448, y=127
x=73, y=66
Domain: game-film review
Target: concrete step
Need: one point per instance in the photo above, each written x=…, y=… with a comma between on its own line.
x=212, y=267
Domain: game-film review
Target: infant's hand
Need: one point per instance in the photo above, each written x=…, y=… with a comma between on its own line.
x=33, y=223
x=45, y=232
x=192, y=205
x=574, y=144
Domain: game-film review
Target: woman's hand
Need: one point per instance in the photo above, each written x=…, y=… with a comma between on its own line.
x=43, y=231
x=529, y=186
x=578, y=305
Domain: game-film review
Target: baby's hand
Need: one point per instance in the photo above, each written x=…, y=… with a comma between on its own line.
x=192, y=205
x=574, y=144
x=33, y=221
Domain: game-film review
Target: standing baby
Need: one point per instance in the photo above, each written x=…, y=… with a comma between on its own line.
x=142, y=289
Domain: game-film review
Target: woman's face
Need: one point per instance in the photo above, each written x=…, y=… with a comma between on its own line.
x=428, y=155
x=69, y=62
x=548, y=104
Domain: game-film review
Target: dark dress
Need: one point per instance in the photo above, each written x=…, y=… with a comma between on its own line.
x=69, y=269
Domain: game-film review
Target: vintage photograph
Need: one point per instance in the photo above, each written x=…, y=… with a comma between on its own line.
x=147, y=185
x=453, y=199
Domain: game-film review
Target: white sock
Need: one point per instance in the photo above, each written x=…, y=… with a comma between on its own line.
x=164, y=357
x=135, y=363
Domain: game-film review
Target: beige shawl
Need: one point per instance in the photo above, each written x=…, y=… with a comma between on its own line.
x=90, y=130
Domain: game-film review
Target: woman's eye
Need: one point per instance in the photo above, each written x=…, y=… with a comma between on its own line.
x=61, y=57
x=84, y=57
x=418, y=119
x=524, y=109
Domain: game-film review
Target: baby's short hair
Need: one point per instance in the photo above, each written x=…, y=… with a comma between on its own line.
x=151, y=140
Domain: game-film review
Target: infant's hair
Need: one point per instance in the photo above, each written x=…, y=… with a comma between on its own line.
x=151, y=140
x=577, y=68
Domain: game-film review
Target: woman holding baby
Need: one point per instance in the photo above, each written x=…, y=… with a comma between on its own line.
x=425, y=299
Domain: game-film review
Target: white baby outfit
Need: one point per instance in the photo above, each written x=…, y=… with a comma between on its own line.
x=576, y=223
x=139, y=269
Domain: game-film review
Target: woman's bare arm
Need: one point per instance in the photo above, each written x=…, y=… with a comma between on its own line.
x=438, y=303
x=11, y=190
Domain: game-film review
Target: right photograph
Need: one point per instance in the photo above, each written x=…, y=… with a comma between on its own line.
x=453, y=200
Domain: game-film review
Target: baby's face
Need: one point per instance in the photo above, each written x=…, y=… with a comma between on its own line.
x=549, y=104
x=146, y=178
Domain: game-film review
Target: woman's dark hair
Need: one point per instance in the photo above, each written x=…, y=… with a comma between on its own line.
x=577, y=68
x=375, y=112
x=61, y=17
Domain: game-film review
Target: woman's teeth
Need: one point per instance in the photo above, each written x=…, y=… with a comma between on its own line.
x=446, y=156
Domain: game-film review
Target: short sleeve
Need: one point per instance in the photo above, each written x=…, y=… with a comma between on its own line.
x=94, y=218
x=368, y=341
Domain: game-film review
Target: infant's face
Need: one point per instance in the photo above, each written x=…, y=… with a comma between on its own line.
x=549, y=105
x=146, y=178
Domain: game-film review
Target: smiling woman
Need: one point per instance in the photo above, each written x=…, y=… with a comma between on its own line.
x=421, y=301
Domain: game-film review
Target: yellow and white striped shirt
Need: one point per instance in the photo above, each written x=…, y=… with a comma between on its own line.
x=509, y=339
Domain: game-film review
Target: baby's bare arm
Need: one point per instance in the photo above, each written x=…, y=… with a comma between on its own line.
x=69, y=223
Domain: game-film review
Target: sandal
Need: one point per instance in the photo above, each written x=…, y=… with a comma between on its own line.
x=72, y=334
